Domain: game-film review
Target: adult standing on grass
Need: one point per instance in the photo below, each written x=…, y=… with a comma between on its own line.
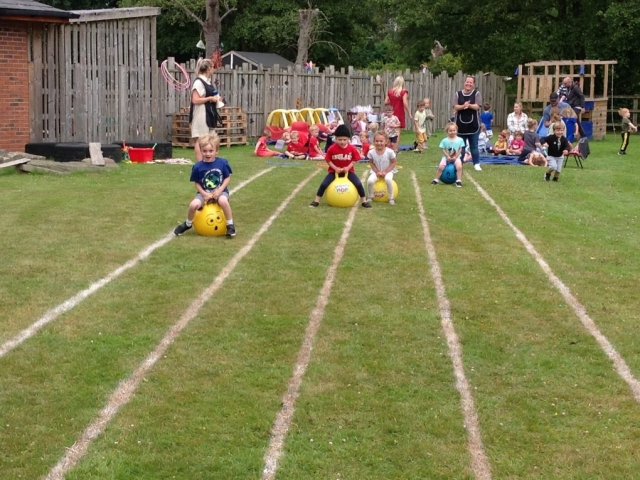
x=398, y=98
x=466, y=107
x=204, y=96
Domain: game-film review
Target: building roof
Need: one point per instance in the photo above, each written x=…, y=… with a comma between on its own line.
x=31, y=8
x=257, y=58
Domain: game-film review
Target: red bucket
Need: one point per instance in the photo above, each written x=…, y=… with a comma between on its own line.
x=141, y=155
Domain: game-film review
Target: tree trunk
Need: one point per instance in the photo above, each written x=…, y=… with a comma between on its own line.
x=212, y=27
x=306, y=18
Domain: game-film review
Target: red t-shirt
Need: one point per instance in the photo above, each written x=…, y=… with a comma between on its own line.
x=296, y=148
x=261, y=146
x=341, y=157
x=365, y=149
x=314, y=150
x=398, y=105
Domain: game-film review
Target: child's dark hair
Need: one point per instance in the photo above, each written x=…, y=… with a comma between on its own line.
x=487, y=106
x=421, y=103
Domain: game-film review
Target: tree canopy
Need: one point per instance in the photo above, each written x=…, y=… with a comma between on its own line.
x=494, y=35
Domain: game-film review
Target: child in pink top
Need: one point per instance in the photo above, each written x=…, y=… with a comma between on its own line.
x=261, y=149
x=517, y=144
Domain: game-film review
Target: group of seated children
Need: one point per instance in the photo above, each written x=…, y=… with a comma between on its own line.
x=302, y=146
x=503, y=146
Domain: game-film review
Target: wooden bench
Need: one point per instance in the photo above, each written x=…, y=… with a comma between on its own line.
x=15, y=163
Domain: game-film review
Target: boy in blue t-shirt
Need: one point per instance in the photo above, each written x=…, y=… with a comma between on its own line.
x=486, y=117
x=451, y=147
x=211, y=176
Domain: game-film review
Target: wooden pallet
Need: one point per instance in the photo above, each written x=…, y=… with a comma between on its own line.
x=232, y=132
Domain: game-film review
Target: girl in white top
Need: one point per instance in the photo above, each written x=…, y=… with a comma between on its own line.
x=382, y=161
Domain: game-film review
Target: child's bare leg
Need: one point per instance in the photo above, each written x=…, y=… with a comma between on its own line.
x=194, y=206
x=458, y=170
x=223, y=201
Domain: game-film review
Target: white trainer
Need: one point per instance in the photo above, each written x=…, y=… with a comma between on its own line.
x=477, y=167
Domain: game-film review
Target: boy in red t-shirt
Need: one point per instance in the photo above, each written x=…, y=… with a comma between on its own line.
x=296, y=149
x=341, y=157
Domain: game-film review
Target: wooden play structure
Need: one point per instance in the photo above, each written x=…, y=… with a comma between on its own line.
x=537, y=80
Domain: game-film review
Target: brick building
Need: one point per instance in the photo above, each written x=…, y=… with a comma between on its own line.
x=17, y=18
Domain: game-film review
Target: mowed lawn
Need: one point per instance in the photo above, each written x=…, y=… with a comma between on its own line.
x=379, y=398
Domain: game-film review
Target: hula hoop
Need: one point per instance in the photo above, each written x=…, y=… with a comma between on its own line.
x=172, y=81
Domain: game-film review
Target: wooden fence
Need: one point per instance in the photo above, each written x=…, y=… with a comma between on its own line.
x=260, y=91
x=97, y=79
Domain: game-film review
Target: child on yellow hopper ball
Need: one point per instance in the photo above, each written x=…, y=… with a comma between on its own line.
x=451, y=147
x=382, y=160
x=211, y=176
x=341, y=157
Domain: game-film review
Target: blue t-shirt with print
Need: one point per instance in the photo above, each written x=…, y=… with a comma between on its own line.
x=486, y=117
x=210, y=175
x=451, y=145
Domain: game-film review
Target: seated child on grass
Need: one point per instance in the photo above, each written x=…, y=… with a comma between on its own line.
x=483, y=139
x=501, y=146
x=315, y=152
x=261, y=149
x=531, y=140
x=517, y=144
x=296, y=149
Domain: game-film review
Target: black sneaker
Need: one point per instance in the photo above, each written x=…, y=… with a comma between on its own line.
x=622, y=153
x=555, y=179
x=434, y=182
x=180, y=229
x=366, y=204
x=547, y=177
x=458, y=183
x=314, y=204
x=231, y=230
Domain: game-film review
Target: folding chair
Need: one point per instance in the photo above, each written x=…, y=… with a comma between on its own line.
x=575, y=154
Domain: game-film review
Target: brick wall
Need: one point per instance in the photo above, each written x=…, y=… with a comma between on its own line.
x=14, y=86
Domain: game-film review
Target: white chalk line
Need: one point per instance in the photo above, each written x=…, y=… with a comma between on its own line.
x=125, y=390
x=284, y=417
x=72, y=302
x=479, y=462
x=581, y=312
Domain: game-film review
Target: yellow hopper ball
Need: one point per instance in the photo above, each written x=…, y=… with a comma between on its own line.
x=380, y=190
x=210, y=221
x=341, y=192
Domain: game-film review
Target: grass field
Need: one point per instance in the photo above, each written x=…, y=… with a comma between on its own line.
x=484, y=332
